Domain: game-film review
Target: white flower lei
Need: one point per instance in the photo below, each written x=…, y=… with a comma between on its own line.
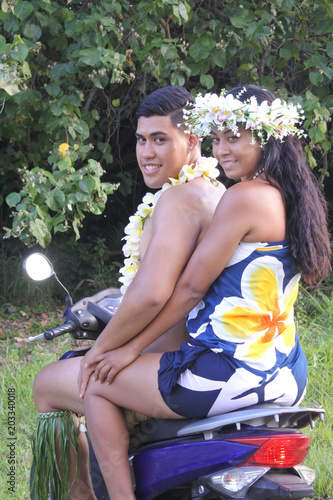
x=278, y=119
x=206, y=169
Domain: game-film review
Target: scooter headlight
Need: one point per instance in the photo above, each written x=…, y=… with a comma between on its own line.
x=236, y=482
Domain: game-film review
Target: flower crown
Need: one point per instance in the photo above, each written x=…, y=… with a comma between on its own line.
x=278, y=119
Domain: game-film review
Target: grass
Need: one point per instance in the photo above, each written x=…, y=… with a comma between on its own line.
x=316, y=334
x=21, y=361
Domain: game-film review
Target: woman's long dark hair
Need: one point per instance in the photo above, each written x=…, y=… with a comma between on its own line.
x=306, y=207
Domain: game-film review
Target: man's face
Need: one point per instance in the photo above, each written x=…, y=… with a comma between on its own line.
x=161, y=150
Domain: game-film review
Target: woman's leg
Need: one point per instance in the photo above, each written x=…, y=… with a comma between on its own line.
x=135, y=388
x=55, y=388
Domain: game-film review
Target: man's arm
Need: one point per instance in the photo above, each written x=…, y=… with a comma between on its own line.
x=176, y=225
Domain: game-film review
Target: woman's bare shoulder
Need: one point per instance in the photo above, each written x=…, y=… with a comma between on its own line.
x=254, y=192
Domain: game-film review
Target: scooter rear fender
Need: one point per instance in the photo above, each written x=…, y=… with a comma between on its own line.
x=158, y=469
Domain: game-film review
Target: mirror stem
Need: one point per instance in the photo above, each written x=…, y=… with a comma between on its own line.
x=69, y=300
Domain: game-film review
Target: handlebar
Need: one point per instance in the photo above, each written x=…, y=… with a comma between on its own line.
x=52, y=333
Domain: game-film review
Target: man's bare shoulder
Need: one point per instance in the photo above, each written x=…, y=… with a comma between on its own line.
x=194, y=193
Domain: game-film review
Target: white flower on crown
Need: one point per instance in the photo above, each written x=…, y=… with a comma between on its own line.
x=133, y=231
x=278, y=119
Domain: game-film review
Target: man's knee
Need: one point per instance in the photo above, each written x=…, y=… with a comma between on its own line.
x=41, y=389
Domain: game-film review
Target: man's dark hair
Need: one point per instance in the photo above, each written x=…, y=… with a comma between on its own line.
x=166, y=101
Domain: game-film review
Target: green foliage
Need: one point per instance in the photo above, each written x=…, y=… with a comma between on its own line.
x=52, y=201
x=14, y=69
x=76, y=72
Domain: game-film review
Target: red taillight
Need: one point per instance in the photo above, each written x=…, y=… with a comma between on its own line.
x=285, y=450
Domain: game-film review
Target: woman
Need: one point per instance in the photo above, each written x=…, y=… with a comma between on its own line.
x=239, y=288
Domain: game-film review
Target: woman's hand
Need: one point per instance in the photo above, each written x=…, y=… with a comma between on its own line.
x=112, y=362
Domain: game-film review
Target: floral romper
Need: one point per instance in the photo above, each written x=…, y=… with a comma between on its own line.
x=243, y=347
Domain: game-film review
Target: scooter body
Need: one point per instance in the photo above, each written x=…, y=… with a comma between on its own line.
x=255, y=453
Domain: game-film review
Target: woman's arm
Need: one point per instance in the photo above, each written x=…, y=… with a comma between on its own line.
x=207, y=262
x=176, y=226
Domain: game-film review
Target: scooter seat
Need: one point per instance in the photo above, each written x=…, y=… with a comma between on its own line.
x=263, y=415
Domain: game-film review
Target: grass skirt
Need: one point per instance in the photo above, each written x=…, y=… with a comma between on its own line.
x=55, y=435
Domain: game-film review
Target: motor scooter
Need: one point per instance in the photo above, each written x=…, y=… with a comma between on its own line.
x=255, y=453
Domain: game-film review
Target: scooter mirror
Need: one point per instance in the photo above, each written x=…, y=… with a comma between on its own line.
x=38, y=267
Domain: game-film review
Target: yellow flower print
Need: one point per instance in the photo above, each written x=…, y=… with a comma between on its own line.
x=261, y=321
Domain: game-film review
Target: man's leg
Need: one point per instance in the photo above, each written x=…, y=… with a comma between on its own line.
x=55, y=388
x=136, y=388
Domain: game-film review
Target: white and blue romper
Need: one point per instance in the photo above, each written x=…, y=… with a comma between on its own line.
x=243, y=347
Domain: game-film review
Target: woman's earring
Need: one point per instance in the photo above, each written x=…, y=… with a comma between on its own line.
x=190, y=148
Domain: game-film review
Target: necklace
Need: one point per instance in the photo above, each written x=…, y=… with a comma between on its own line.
x=133, y=231
x=258, y=173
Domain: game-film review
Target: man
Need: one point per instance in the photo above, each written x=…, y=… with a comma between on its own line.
x=178, y=223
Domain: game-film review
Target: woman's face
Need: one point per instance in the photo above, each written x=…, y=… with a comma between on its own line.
x=235, y=153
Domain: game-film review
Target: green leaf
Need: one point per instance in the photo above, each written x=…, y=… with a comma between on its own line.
x=20, y=52
x=64, y=163
x=319, y=61
x=76, y=231
x=329, y=49
x=81, y=197
x=219, y=58
x=13, y=199
x=32, y=31
x=60, y=228
x=80, y=128
x=198, y=52
x=11, y=25
x=286, y=53
x=207, y=81
x=326, y=145
x=207, y=41
x=180, y=12
x=316, y=77
x=26, y=70
x=57, y=220
x=316, y=134
x=62, y=69
x=95, y=114
x=177, y=79
x=23, y=9
x=108, y=187
x=87, y=184
x=168, y=51
x=90, y=57
x=40, y=231
x=97, y=208
x=239, y=22
x=324, y=27
x=53, y=90
x=10, y=88
x=286, y=5
x=56, y=200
